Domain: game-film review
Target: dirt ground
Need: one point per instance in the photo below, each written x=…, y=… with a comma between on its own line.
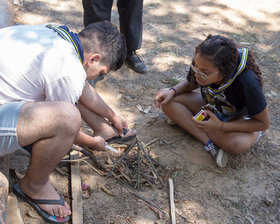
x=248, y=189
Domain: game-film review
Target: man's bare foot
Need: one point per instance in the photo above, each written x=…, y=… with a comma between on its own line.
x=46, y=191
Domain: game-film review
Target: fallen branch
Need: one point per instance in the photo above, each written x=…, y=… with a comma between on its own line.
x=171, y=198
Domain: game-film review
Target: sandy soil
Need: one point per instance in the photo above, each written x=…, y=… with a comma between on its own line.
x=248, y=190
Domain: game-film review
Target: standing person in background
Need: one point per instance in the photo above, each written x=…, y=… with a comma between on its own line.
x=230, y=85
x=130, y=17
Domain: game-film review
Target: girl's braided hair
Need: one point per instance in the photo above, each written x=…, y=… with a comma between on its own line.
x=223, y=53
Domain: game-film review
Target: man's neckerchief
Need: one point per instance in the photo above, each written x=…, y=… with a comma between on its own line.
x=212, y=92
x=71, y=37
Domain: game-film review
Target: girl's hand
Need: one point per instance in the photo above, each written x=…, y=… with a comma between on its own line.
x=212, y=124
x=163, y=96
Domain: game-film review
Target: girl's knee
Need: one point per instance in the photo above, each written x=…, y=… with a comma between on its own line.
x=239, y=146
x=167, y=108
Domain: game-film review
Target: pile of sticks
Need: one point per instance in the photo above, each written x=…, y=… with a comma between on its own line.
x=134, y=168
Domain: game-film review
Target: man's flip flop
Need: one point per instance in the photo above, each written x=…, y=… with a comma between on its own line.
x=121, y=139
x=34, y=203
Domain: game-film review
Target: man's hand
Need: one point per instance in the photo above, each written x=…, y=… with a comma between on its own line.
x=120, y=124
x=163, y=96
x=98, y=143
x=212, y=124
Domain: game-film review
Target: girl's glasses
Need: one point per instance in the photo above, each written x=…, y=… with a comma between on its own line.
x=201, y=74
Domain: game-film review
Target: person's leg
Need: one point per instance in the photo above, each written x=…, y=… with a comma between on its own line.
x=52, y=128
x=234, y=142
x=99, y=125
x=182, y=108
x=97, y=10
x=130, y=16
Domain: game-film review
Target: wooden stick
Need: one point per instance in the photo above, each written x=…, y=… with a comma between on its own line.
x=92, y=167
x=149, y=202
x=137, y=185
x=172, y=205
x=150, y=161
x=151, y=142
x=157, y=163
x=94, y=160
x=87, y=153
x=73, y=160
x=4, y=189
x=61, y=172
x=76, y=188
x=125, y=153
x=148, y=177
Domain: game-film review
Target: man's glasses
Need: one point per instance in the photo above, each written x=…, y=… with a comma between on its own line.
x=201, y=74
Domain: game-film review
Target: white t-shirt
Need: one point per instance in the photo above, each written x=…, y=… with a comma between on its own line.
x=38, y=65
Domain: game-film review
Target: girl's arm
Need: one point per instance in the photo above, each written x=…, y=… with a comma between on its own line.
x=259, y=122
x=184, y=86
x=165, y=95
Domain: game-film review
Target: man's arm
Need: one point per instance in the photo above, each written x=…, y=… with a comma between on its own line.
x=91, y=99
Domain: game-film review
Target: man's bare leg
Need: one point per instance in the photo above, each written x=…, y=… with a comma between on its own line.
x=52, y=128
x=99, y=125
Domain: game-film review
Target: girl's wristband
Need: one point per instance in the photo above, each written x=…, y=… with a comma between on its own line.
x=173, y=90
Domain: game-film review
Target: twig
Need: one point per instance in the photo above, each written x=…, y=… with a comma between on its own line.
x=274, y=42
x=169, y=173
x=91, y=156
x=121, y=158
x=151, y=163
x=73, y=160
x=138, y=169
x=180, y=214
x=148, y=177
x=157, y=163
x=176, y=140
x=94, y=160
x=172, y=205
x=125, y=184
x=96, y=170
x=158, y=212
x=151, y=142
x=149, y=202
x=103, y=188
x=126, y=177
x=250, y=220
x=61, y=172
